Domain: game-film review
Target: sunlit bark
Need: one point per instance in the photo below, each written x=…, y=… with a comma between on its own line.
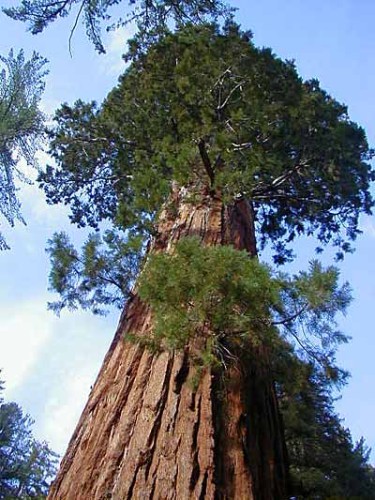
x=148, y=432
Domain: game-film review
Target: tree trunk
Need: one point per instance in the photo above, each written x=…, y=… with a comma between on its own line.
x=147, y=432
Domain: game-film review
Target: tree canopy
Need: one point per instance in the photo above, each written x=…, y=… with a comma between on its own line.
x=207, y=106
x=27, y=466
x=206, y=109
x=21, y=126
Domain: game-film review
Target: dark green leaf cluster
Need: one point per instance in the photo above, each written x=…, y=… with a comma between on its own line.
x=100, y=180
x=324, y=462
x=101, y=276
x=98, y=183
x=21, y=125
x=26, y=465
x=204, y=106
x=151, y=16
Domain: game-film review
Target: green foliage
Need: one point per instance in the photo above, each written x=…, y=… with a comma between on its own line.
x=21, y=126
x=204, y=106
x=26, y=465
x=101, y=276
x=307, y=312
x=151, y=16
x=324, y=462
x=222, y=302
x=105, y=186
x=216, y=294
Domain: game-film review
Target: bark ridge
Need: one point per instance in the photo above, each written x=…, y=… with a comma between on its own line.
x=147, y=433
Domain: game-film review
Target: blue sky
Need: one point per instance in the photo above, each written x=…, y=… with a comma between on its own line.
x=50, y=363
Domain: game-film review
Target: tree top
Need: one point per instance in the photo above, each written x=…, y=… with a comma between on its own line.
x=205, y=106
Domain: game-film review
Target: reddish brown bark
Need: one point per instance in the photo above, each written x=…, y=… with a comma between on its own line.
x=146, y=432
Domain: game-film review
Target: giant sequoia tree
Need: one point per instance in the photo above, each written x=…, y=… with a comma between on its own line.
x=206, y=151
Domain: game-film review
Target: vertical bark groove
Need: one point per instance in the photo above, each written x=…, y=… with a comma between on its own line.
x=147, y=433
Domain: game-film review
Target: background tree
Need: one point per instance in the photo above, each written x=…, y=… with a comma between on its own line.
x=324, y=462
x=27, y=466
x=206, y=136
x=152, y=17
x=21, y=126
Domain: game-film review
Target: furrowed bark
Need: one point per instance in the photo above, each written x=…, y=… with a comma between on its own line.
x=147, y=433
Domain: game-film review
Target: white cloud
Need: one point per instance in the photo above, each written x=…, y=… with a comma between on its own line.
x=49, y=105
x=24, y=330
x=368, y=226
x=116, y=46
x=75, y=353
x=35, y=209
x=50, y=363
x=62, y=410
x=32, y=198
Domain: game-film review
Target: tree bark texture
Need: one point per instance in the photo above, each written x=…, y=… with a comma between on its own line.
x=147, y=433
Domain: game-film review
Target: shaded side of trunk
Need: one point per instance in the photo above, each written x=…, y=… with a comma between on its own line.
x=146, y=432
x=247, y=408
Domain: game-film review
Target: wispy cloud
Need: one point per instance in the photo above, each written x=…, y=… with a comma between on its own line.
x=33, y=200
x=36, y=209
x=368, y=226
x=62, y=410
x=112, y=62
x=24, y=330
x=78, y=347
x=50, y=363
x=49, y=105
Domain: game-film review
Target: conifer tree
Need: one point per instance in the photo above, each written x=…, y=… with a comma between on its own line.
x=21, y=126
x=324, y=461
x=27, y=466
x=207, y=141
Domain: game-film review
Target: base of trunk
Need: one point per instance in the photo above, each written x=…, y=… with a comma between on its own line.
x=148, y=432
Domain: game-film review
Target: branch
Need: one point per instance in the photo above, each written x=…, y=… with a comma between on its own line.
x=283, y=178
x=262, y=189
x=101, y=139
x=308, y=351
x=222, y=106
x=74, y=27
x=101, y=277
x=206, y=161
x=290, y=318
x=243, y=145
x=219, y=81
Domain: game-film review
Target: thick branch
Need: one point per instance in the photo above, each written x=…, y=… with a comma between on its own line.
x=223, y=104
x=206, y=161
x=290, y=318
x=268, y=189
